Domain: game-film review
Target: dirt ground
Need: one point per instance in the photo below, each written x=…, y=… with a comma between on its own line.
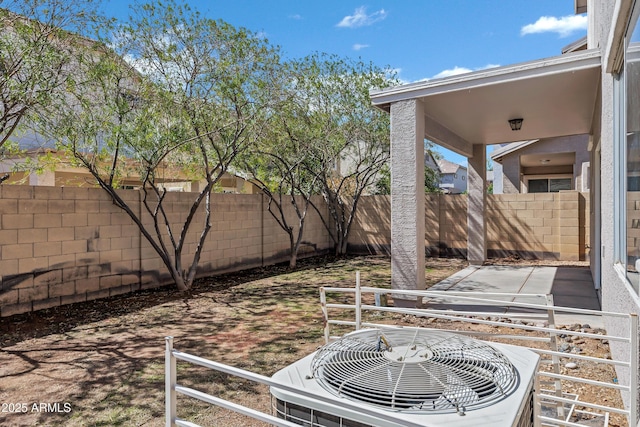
x=101, y=363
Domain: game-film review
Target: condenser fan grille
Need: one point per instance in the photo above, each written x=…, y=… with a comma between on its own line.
x=415, y=370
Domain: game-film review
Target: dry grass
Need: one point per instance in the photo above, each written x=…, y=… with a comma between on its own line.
x=105, y=359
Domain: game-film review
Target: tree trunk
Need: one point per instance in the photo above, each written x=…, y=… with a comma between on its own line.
x=293, y=259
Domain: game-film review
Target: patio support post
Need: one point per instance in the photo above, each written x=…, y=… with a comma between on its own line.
x=477, y=204
x=407, y=199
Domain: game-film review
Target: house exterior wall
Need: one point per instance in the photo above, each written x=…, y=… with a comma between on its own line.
x=454, y=182
x=498, y=178
x=542, y=225
x=513, y=178
x=65, y=245
x=617, y=293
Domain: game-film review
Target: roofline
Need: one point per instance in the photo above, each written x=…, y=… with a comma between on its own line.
x=580, y=44
x=584, y=59
x=510, y=148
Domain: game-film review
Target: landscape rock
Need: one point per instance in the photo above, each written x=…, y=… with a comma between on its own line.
x=564, y=347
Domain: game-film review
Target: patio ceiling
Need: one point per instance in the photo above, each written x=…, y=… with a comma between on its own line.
x=555, y=97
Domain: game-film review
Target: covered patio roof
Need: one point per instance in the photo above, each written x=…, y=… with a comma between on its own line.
x=555, y=96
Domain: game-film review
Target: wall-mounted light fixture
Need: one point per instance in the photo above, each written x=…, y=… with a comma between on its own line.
x=516, y=124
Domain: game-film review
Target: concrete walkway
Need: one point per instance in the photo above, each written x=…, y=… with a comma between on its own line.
x=570, y=287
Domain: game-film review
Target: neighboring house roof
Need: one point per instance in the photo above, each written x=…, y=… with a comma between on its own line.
x=580, y=44
x=446, y=166
x=498, y=154
x=430, y=161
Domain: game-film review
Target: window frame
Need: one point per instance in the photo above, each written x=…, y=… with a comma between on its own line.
x=620, y=147
x=526, y=178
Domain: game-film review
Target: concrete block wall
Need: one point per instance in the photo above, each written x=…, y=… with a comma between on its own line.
x=432, y=224
x=541, y=225
x=453, y=225
x=371, y=230
x=633, y=224
x=60, y=245
x=547, y=226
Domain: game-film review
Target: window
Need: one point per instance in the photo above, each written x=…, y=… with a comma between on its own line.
x=464, y=177
x=540, y=184
x=629, y=154
x=455, y=175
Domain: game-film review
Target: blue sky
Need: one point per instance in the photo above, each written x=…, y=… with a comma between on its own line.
x=421, y=39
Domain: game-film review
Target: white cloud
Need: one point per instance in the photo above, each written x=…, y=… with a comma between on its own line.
x=297, y=17
x=359, y=46
x=564, y=26
x=452, y=72
x=460, y=70
x=361, y=19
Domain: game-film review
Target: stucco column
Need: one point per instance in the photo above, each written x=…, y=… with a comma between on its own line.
x=477, y=202
x=407, y=199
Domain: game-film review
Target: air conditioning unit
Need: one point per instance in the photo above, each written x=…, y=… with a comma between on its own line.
x=400, y=377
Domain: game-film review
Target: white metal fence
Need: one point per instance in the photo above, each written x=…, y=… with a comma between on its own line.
x=543, y=317
x=540, y=318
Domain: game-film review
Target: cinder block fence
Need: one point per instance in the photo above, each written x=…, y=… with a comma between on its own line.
x=540, y=226
x=60, y=245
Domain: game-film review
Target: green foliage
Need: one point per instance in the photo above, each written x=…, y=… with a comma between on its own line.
x=346, y=140
x=175, y=97
x=431, y=180
x=383, y=184
x=36, y=49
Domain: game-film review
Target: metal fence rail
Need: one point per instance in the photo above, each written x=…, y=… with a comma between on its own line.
x=172, y=389
x=564, y=404
x=546, y=312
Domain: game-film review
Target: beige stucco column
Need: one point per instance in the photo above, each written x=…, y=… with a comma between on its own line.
x=407, y=198
x=477, y=203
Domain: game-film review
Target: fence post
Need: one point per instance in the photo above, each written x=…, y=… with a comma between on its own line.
x=325, y=315
x=537, y=404
x=170, y=383
x=633, y=360
x=555, y=360
x=358, y=302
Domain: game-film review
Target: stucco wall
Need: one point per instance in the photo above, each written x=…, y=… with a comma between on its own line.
x=617, y=294
x=65, y=245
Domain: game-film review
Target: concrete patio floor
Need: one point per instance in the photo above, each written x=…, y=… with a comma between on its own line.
x=570, y=287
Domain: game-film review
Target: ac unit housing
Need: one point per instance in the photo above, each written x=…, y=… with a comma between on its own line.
x=411, y=376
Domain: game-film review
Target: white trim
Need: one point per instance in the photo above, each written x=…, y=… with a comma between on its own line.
x=510, y=148
x=622, y=276
x=614, y=50
x=526, y=178
x=571, y=62
x=585, y=177
x=619, y=168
